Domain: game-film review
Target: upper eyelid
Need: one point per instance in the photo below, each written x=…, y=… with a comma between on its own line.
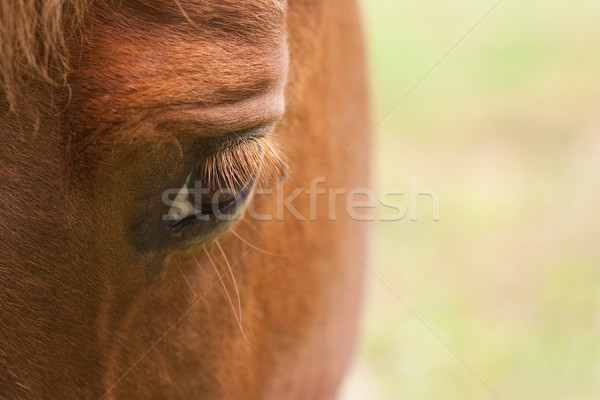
x=196, y=128
x=245, y=134
x=205, y=146
x=217, y=146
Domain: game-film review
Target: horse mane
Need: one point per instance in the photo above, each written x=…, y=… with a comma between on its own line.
x=33, y=43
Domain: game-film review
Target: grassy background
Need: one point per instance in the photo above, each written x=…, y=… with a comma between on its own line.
x=506, y=129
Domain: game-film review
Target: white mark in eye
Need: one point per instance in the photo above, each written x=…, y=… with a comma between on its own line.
x=182, y=207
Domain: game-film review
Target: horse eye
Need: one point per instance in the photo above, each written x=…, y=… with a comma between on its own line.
x=202, y=197
x=208, y=194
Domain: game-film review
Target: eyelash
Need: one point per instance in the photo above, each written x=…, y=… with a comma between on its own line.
x=236, y=164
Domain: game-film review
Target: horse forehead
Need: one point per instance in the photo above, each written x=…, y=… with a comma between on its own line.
x=208, y=52
x=248, y=17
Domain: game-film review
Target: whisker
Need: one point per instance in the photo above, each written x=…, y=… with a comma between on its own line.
x=186, y=281
x=270, y=253
x=258, y=233
x=199, y=267
x=23, y=386
x=185, y=14
x=226, y=293
x=177, y=143
x=237, y=292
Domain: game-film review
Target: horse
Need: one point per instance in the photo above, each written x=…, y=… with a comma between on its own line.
x=162, y=234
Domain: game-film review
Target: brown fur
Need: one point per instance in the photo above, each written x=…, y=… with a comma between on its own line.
x=107, y=100
x=33, y=42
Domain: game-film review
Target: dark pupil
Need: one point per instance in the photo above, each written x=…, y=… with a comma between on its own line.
x=211, y=194
x=216, y=194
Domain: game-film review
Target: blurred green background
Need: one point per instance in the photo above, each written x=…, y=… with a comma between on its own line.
x=506, y=129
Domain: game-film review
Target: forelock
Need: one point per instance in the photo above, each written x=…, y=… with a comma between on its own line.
x=33, y=42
